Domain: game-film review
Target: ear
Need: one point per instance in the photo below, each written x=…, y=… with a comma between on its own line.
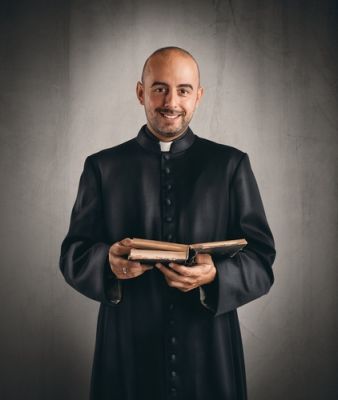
x=200, y=92
x=140, y=92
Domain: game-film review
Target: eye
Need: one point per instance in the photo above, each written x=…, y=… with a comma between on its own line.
x=183, y=92
x=160, y=90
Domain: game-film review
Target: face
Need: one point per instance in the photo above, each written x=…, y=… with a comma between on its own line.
x=169, y=93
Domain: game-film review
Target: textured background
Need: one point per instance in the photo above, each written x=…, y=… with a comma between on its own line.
x=68, y=71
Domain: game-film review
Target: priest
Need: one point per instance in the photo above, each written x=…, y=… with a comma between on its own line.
x=168, y=332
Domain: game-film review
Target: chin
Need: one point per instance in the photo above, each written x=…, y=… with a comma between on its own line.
x=172, y=133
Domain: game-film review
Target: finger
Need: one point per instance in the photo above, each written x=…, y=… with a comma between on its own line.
x=132, y=265
x=143, y=268
x=128, y=270
x=167, y=272
x=119, y=249
x=135, y=268
x=173, y=278
x=183, y=286
x=183, y=270
x=194, y=271
x=147, y=266
x=119, y=264
x=201, y=269
x=176, y=280
x=126, y=242
x=198, y=275
x=117, y=261
x=203, y=258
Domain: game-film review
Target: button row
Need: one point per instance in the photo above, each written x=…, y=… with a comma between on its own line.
x=168, y=200
x=168, y=233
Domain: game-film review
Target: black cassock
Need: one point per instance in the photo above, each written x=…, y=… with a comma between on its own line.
x=154, y=342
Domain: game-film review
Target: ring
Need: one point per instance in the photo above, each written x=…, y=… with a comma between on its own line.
x=124, y=270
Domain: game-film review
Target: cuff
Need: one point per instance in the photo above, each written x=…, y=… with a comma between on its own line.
x=113, y=287
x=208, y=295
x=203, y=299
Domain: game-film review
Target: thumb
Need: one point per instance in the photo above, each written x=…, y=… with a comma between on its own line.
x=203, y=259
x=126, y=242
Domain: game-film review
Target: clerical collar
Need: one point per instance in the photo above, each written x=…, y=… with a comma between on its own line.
x=165, y=146
x=150, y=142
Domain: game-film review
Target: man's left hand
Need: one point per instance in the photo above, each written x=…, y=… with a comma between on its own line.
x=187, y=278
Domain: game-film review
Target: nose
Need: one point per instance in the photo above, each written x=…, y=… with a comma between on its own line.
x=170, y=99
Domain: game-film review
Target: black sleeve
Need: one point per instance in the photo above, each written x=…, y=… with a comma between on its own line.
x=84, y=251
x=248, y=275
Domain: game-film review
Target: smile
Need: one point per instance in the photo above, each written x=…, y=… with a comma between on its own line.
x=170, y=116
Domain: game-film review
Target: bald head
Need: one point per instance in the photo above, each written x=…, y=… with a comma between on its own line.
x=169, y=91
x=166, y=52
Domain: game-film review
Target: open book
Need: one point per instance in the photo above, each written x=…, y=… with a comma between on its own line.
x=152, y=251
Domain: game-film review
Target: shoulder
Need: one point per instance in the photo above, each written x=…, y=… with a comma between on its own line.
x=109, y=160
x=112, y=156
x=218, y=152
x=119, y=150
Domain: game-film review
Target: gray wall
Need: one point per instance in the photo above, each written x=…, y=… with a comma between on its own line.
x=68, y=72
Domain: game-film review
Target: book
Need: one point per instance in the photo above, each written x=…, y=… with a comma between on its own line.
x=153, y=251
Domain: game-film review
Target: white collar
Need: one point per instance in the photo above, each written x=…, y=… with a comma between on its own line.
x=165, y=146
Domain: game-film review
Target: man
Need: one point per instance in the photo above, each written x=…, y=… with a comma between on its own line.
x=168, y=332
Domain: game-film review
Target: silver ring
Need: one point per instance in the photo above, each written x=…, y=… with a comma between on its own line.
x=124, y=270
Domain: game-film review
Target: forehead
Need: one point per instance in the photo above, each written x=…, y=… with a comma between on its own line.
x=172, y=68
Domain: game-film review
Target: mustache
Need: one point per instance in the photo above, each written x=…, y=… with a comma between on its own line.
x=169, y=111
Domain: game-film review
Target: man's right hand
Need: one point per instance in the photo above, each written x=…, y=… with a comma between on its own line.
x=121, y=267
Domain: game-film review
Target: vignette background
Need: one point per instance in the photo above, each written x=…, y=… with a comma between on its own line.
x=68, y=76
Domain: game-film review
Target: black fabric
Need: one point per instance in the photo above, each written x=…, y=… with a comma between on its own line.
x=157, y=342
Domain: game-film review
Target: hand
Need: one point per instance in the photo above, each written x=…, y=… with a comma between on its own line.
x=121, y=267
x=188, y=278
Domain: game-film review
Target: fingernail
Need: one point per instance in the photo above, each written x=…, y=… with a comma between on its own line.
x=158, y=265
x=171, y=265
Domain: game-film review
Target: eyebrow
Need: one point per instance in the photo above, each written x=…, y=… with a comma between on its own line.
x=182, y=85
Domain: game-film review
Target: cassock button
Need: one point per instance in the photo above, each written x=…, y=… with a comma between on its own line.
x=167, y=170
x=171, y=322
x=170, y=236
x=173, y=340
x=168, y=201
x=171, y=307
x=173, y=374
x=169, y=186
x=169, y=219
x=173, y=357
x=166, y=156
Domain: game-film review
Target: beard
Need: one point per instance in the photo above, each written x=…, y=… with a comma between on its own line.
x=172, y=133
x=169, y=128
